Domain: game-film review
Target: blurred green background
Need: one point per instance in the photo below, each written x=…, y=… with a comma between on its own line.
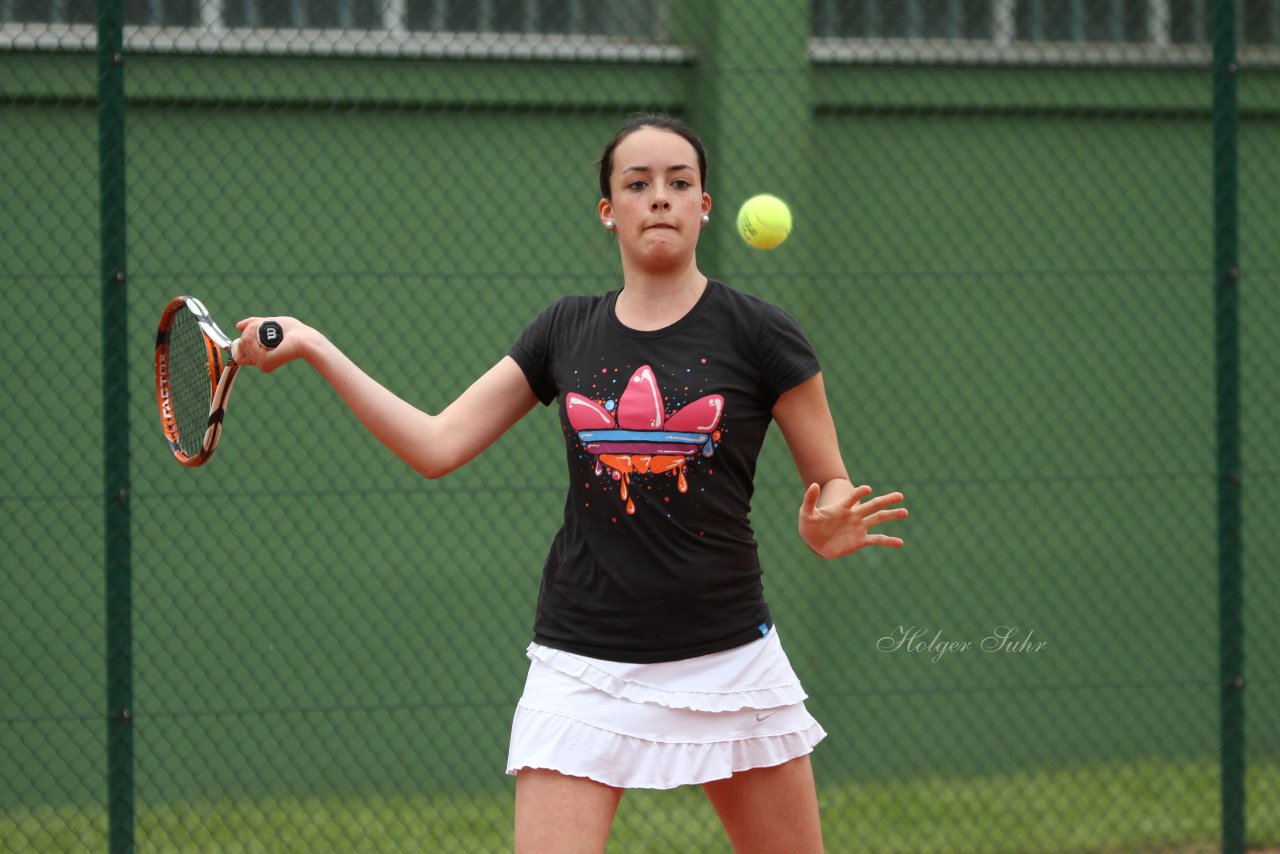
x=1003, y=253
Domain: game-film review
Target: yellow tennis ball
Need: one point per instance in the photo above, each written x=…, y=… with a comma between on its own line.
x=764, y=221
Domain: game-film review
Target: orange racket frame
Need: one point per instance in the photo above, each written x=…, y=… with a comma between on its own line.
x=221, y=375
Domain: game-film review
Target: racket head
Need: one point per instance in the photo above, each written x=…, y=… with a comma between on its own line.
x=193, y=379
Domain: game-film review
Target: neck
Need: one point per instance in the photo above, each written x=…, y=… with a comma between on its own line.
x=662, y=284
x=655, y=299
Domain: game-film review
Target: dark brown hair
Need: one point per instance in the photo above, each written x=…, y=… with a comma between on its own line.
x=661, y=121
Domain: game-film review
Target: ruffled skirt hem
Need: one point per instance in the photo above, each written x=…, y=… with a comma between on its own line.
x=782, y=688
x=546, y=740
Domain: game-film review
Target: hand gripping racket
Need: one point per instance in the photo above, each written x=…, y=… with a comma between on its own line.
x=195, y=369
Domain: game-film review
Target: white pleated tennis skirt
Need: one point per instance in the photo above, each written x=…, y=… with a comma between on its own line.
x=658, y=726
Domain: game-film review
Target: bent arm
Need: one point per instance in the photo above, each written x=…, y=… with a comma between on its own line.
x=804, y=416
x=433, y=445
x=834, y=518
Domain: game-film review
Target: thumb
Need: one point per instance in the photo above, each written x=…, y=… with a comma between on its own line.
x=810, y=503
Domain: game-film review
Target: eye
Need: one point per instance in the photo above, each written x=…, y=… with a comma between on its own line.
x=681, y=184
x=636, y=185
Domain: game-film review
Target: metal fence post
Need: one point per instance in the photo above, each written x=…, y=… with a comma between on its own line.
x=1227, y=361
x=115, y=425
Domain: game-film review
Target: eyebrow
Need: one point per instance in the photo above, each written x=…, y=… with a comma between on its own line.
x=676, y=168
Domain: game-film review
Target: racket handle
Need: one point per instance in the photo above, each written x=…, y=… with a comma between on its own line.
x=270, y=334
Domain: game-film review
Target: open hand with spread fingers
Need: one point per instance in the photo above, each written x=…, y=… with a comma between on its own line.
x=843, y=525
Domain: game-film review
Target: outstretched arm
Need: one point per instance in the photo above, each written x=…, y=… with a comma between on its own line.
x=433, y=445
x=834, y=518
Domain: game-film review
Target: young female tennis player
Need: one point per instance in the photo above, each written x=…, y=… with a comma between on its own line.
x=654, y=661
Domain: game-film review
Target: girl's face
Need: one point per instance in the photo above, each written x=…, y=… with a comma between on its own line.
x=657, y=200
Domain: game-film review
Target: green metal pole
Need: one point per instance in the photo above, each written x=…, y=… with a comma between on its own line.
x=115, y=426
x=751, y=103
x=1227, y=351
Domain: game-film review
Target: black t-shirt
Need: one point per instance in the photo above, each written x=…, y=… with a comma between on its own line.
x=656, y=560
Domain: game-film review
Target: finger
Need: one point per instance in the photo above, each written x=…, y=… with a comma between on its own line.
x=881, y=540
x=849, y=504
x=235, y=350
x=810, y=503
x=885, y=516
x=882, y=501
x=859, y=493
x=241, y=325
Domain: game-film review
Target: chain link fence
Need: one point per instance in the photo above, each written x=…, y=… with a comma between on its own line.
x=1004, y=254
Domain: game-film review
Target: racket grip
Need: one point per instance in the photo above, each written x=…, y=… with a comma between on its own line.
x=270, y=334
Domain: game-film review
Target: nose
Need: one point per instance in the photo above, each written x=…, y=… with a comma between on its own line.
x=659, y=202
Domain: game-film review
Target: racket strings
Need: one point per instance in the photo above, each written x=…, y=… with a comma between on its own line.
x=191, y=380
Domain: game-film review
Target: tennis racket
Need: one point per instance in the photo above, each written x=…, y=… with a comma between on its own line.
x=195, y=369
